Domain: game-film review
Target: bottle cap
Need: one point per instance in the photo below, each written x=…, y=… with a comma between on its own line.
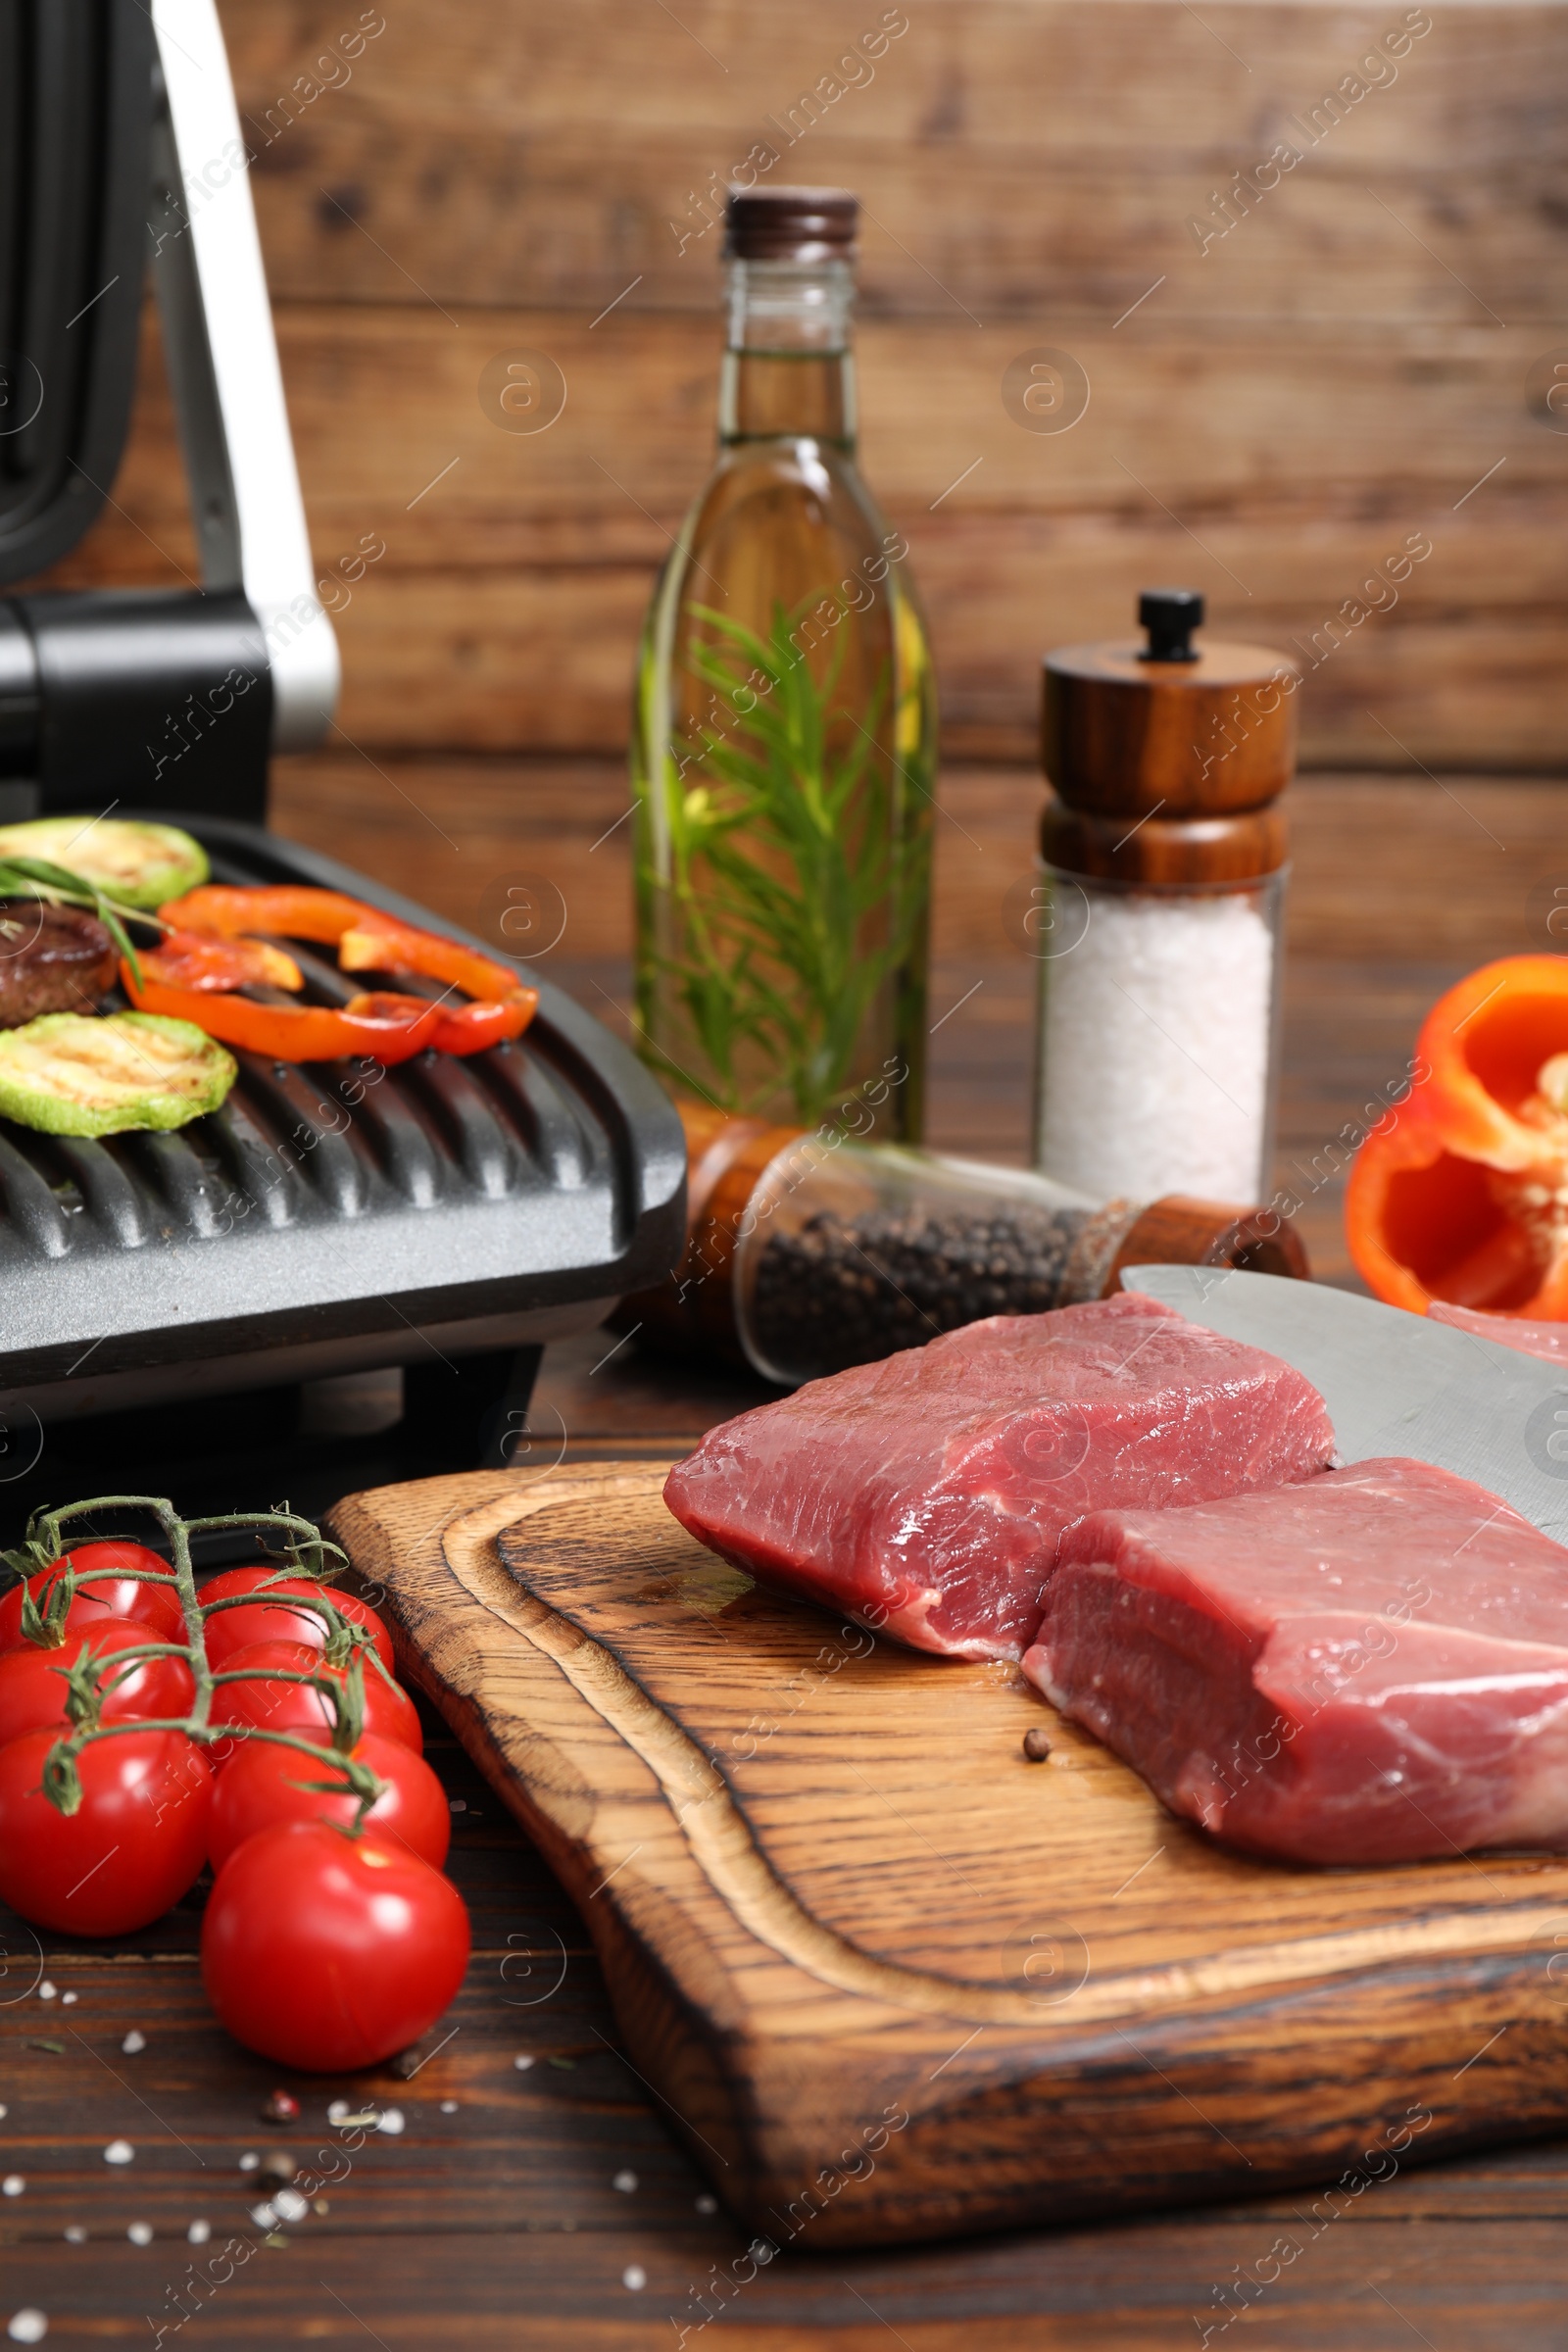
x=790, y=224
x=1186, y=730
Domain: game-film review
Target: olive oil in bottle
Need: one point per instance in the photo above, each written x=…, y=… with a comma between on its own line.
x=784, y=735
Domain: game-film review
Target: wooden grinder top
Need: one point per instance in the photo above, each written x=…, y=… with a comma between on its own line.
x=1189, y=745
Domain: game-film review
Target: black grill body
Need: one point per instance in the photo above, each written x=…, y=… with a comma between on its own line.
x=336, y=1216
x=447, y=1214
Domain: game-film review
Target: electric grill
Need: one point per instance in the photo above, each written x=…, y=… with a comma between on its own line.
x=330, y=1218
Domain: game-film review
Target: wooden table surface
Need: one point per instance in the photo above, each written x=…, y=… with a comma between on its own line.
x=532, y=2193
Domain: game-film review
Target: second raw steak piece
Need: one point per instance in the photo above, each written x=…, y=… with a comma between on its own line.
x=924, y=1495
x=1372, y=1667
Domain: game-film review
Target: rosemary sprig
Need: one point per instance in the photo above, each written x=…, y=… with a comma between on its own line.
x=796, y=890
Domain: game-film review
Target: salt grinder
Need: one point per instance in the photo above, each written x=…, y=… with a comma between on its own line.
x=1156, y=915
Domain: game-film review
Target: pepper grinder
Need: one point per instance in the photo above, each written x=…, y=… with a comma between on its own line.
x=1156, y=914
x=807, y=1250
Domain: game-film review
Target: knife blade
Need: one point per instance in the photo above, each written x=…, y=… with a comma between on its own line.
x=1395, y=1383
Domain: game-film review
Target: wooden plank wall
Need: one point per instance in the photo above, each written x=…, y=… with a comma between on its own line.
x=1349, y=365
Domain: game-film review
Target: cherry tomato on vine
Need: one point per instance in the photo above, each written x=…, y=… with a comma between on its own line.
x=272, y=1620
x=107, y=1593
x=260, y=1787
x=32, y=1681
x=275, y=1705
x=329, y=1952
x=133, y=1846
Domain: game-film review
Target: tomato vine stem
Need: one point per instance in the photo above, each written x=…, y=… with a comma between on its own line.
x=347, y=1645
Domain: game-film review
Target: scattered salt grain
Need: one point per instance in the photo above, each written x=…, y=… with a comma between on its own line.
x=75, y=2234
x=290, y=2205
x=457, y=1804
x=249, y=2161
x=708, y=2204
x=263, y=2215
x=133, y=2042
x=118, y=2151
x=523, y=2062
x=199, y=2232
x=625, y=2182
x=635, y=2277
x=449, y=2106
x=140, y=2233
x=66, y=1999
x=47, y=1992
x=13, y=2184
x=28, y=2327
x=391, y=2119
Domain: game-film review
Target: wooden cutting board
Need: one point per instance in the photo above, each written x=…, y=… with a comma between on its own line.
x=888, y=1977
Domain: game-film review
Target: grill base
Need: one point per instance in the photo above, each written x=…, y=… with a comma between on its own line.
x=183, y=1381
x=267, y=1446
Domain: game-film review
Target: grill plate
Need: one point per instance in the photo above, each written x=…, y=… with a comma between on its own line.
x=338, y=1215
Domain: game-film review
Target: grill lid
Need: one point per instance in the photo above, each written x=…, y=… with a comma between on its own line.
x=75, y=127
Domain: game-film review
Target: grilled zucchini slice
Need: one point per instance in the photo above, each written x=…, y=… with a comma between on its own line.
x=138, y=864
x=68, y=1073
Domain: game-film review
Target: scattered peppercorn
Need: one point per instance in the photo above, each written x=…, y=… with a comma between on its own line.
x=1036, y=1745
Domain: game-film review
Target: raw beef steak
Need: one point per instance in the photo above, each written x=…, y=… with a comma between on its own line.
x=1367, y=1668
x=924, y=1495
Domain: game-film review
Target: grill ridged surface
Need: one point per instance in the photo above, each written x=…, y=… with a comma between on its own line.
x=33, y=1213
x=330, y=1141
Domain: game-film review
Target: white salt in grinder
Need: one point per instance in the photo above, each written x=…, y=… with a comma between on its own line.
x=1155, y=917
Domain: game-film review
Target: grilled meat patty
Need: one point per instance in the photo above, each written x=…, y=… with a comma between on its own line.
x=52, y=960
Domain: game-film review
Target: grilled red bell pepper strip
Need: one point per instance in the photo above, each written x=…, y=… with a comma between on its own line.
x=189, y=960
x=293, y=909
x=471, y=1028
x=381, y=945
x=369, y=941
x=387, y=1028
